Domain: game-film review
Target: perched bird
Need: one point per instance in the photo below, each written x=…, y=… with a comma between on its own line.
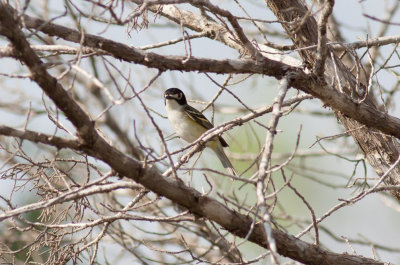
x=190, y=124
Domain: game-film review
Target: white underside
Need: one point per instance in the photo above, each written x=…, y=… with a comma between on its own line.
x=182, y=124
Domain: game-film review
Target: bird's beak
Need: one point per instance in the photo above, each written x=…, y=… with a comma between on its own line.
x=166, y=96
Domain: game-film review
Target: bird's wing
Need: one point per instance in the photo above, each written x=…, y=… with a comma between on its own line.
x=198, y=117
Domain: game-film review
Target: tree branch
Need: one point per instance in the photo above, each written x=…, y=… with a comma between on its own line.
x=42, y=138
x=322, y=48
x=82, y=192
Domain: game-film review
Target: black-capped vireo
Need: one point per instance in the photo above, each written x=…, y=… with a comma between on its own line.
x=190, y=124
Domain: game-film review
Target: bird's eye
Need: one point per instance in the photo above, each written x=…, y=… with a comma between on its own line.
x=179, y=95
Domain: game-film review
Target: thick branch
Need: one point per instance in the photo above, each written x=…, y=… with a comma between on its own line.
x=153, y=60
x=8, y=51
x=36, y=137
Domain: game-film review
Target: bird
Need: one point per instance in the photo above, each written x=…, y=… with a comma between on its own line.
x=189, y=124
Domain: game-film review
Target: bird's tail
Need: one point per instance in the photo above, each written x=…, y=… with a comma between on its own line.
x=226, y=163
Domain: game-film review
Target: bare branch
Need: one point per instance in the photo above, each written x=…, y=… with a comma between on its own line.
x=81, y=192
x=40, y=138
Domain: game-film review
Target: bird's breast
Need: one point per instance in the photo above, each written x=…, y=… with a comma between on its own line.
x=184, y=126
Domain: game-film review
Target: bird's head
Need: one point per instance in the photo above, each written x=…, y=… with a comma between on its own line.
x=175, y=94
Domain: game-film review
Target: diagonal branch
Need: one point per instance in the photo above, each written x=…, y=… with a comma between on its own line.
x=39, y=74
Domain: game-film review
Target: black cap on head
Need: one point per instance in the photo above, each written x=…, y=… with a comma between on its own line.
x=176, y=94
